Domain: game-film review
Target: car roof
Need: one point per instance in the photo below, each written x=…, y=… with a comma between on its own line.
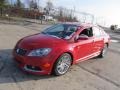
x=79, y=24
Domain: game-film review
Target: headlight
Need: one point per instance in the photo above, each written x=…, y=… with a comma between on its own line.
x=40, y=52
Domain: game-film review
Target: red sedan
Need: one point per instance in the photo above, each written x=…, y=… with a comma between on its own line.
x=57, y=48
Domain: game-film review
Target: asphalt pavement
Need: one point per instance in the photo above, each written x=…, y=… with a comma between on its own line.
x=93, y=74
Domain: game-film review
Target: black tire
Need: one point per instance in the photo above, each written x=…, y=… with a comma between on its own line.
x=103, y=51
x=59, y=64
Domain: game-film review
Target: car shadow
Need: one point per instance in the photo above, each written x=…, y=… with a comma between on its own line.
x=10, y=73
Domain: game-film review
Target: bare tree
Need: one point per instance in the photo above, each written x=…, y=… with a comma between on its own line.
x=2, y=6
x=33, y=4
x=49, y=7
x=19, y=4
x=61, y=11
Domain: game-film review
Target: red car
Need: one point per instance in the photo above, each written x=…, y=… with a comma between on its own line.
x=57, y=48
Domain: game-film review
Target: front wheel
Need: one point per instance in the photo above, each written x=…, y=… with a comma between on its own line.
x=62, y=65
x=103, y=51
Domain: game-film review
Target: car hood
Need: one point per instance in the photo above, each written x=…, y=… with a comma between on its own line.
x=40, y=41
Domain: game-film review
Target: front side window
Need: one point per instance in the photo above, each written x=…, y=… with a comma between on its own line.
x=64, y=31
x=88, y=32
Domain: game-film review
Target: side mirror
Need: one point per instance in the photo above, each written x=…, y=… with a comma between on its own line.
x=81, y=37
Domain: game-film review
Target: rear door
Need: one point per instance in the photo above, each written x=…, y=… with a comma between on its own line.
x=98, y=39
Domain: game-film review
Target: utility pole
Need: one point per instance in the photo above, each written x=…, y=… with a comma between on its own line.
x=74, y=9
x=11, y=2
x=38, y=3
x=93, y=19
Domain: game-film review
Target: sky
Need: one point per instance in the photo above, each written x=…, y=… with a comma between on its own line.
x=106, y=9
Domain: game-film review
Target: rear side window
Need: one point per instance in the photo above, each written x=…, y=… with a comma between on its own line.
x=96, y=31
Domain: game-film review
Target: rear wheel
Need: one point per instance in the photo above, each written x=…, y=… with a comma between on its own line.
x=103, y=51
x=62, y=65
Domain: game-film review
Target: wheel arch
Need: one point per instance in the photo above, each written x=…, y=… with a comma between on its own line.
x=71, y=56
x=68, y=52
x=107, y=44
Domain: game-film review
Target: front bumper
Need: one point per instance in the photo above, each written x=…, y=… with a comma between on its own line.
x=34, y=65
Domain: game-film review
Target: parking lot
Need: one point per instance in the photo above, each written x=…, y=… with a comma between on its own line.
x=94, y=74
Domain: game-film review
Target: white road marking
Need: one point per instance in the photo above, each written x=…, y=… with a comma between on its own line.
x=114, y=41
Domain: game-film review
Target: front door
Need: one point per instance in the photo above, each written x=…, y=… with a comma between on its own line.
x=83, y=47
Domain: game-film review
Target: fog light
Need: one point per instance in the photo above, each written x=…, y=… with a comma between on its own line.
x=46, y=65
x=33, y=68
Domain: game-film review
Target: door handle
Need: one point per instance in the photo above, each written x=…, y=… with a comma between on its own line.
x=93, y=40
x=78, y=47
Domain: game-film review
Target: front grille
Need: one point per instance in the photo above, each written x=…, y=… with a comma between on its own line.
x=20, y=51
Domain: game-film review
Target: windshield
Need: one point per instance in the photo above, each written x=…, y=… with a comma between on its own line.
x=64, y=31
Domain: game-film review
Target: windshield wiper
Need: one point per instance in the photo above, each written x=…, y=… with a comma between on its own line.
x=44, y=33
